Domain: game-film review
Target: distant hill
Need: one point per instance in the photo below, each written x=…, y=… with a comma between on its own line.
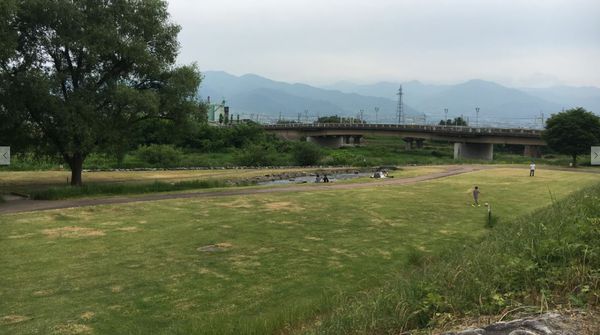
x=414, y=91
x=499, y=105
x=495, y=102
x=569, y=97
x=255, y=95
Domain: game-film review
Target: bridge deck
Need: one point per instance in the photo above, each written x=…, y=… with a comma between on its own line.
x=448, y=130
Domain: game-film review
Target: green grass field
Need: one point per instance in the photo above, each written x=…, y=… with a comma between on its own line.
x=242, y=265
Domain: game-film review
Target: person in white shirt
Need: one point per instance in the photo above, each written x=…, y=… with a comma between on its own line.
x=532, y=169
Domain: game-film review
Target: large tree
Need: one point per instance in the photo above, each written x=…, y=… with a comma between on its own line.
x=78, y=75
x=572, y=132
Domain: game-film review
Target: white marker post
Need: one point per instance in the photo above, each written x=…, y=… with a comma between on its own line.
x=4, y=155
x=595, y=156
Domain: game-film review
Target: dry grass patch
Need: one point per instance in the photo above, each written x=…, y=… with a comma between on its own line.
x=313, y=238
x=215, y=247
x=87, y=315
x=283, y=205
x=73, y=329
x=21, y=236
x=206, y=271
x=12, y=319
x=110, y=223
x=238, y=203
x=72, y=232
x=243, y=261
x=130, y=229
x=44, y=293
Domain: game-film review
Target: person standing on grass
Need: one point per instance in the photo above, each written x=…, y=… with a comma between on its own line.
x=532, y=169
x=476, y=197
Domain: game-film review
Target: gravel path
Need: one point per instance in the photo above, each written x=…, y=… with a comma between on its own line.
x=26, y=205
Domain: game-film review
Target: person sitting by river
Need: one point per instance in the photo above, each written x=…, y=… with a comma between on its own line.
x=318, y=179
x=325, y=179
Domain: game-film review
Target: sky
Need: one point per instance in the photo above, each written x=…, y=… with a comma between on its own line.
x=518, y=43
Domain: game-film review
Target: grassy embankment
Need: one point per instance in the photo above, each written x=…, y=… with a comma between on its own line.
x=546, y=260
x=376, y=150
x=263, y=263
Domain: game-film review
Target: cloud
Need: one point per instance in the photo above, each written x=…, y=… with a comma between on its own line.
x=434, y=40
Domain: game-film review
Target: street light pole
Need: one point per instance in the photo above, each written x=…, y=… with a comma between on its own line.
x=477, y=116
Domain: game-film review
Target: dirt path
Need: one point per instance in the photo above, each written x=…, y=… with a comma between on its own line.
x=26, y=205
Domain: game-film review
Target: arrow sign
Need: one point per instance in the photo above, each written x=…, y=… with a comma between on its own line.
x=595, y=156
x=4, y=155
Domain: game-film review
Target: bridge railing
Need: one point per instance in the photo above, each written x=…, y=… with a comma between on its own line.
x=421, y=128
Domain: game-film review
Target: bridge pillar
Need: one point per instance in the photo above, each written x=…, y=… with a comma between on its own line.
x=408, y=143
x=327, y=141
x=532, y=151
x=419, y=142
x=474, y=151
x=357, y=139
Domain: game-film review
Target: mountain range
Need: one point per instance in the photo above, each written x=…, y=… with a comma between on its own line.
x=256, y=97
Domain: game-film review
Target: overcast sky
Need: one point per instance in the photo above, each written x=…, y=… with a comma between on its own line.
x=531, y=43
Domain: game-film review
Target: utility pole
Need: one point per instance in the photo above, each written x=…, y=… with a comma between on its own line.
x=445, y=115
x=361, y=115
x=306, y=115
x=376, y=114
x=299, y=117
x=400, y=108
x=477, y=116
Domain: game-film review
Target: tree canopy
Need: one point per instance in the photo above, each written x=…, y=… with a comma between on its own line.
x=458, y=121
x=572, y=132
x=77, y=75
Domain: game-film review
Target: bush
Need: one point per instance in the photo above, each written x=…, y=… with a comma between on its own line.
x=257, y=155
x=32, y=161
x=306, y=153
x=160, y=155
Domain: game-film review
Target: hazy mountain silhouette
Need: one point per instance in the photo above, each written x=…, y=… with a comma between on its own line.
x=494, y=101
x=413, y=91
x=569, y=97
x=252, y=94
x=498, y=105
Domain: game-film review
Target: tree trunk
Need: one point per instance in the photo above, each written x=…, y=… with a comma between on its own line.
x=574, y=160
x=76, y=164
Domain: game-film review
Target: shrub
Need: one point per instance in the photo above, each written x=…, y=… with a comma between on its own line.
x=257, y=155
x=159, y=155
x=306, y=153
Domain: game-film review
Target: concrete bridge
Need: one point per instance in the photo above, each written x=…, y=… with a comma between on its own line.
x=469, y=142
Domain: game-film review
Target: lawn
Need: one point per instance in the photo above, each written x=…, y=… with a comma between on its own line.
x=245, y=264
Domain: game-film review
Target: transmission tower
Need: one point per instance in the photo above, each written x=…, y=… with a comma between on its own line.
x=400, y=110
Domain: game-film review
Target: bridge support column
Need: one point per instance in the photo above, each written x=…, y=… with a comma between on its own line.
x=419, y=142
x=327, y=141
x=408, y=143
x=474, y=151
x=532, y=151
x=357, y=140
